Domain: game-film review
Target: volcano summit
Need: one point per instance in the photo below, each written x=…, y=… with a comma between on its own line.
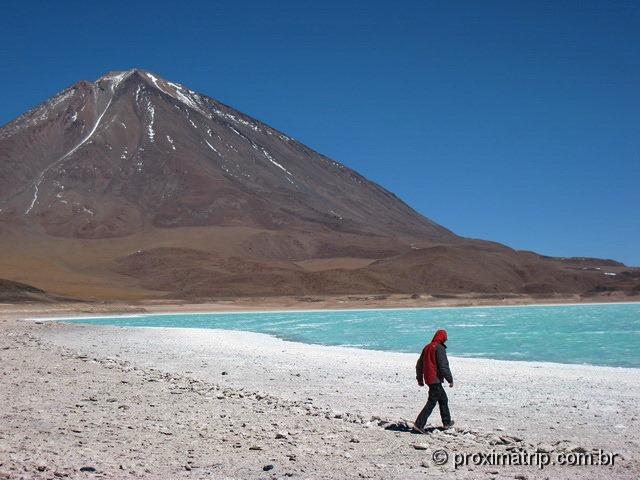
x=133, y=186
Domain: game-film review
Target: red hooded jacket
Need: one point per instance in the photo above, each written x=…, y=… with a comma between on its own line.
x=433, y=365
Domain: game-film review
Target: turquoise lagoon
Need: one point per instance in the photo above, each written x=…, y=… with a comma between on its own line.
x=584, y=334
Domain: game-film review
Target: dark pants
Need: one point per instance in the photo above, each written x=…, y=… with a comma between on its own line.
x=439, y=396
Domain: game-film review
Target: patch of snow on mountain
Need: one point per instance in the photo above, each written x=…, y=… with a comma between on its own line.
x=190, y=99
x=154, y=80
x=117, y=78
x=152, y=112
x=272, y=160
x=235, y=119
x=339, y=217
x=213, y=148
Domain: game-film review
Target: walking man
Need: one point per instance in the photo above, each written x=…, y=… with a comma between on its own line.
x=432, y=368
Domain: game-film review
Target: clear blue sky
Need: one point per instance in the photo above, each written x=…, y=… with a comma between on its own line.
x=512, y=121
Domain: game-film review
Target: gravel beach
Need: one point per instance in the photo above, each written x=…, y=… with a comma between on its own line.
x=106, y=402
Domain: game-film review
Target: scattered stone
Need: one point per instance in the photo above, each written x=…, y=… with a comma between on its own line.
x=266, y=468
x=281, y=435
x=520, y=477
x=255, y=447
x=421, y=446
x=354, y=440
x=88, y=469
x=425, y=464
x=579, y=450
x=224, y=373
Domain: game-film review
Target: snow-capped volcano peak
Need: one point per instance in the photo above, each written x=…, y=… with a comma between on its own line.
x=116, y=78
x=132, y=149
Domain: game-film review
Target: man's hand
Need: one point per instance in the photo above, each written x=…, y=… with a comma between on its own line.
x=450, y=384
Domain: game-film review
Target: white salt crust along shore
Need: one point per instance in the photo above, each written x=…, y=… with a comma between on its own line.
x=195, y=403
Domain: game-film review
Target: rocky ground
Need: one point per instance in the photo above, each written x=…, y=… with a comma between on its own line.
x=90, y=402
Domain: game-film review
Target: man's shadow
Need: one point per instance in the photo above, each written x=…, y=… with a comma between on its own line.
x=404, y=426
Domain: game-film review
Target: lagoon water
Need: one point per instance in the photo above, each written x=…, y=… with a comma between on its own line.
x=592, y=334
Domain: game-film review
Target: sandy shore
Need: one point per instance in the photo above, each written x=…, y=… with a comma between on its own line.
x=186, y=403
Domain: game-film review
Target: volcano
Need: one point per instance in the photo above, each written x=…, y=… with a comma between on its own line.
x=133, y=186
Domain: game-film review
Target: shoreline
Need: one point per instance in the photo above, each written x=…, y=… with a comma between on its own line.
x=251, y=334
x=536, y=363
x=312, y=303
x=78, y=320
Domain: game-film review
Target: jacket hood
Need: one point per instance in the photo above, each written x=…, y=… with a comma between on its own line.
x=440, y=337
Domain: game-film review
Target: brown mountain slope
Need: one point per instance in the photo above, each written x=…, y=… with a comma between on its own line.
x=480, y=267
x=133, y=186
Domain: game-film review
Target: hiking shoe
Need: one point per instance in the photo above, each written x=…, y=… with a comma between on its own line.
x=448, y=425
